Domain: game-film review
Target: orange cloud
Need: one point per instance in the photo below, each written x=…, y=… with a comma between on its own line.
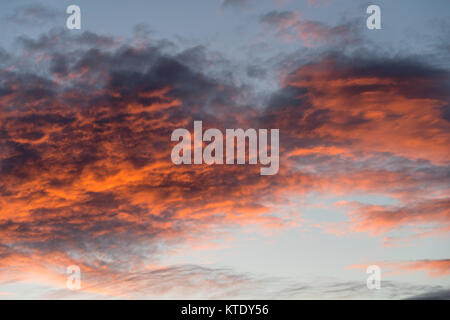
x=434, y=268
x=290, y=26
x=85, y=155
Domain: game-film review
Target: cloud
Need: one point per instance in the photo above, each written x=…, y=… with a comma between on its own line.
x=433, y=295
x=380, y=219
x=365, y=123
x=32, y=15
x=290, y=26
x=206, y=282
x=59, y=40
x=162, y=282
x=85, y=153
x=434, y=268
x=85, y=156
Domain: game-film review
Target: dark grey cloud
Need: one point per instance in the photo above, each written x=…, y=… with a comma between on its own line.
x=432, y=295
x=276, y=17
x=255, y=71
x=338, y=289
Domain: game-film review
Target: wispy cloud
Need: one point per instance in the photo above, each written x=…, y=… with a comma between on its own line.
x=32, y=15
x=433, y=268
x=290, y=26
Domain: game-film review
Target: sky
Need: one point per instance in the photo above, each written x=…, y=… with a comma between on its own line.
x=87, y=180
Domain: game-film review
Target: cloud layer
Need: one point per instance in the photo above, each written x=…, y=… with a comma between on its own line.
x=85, y=152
